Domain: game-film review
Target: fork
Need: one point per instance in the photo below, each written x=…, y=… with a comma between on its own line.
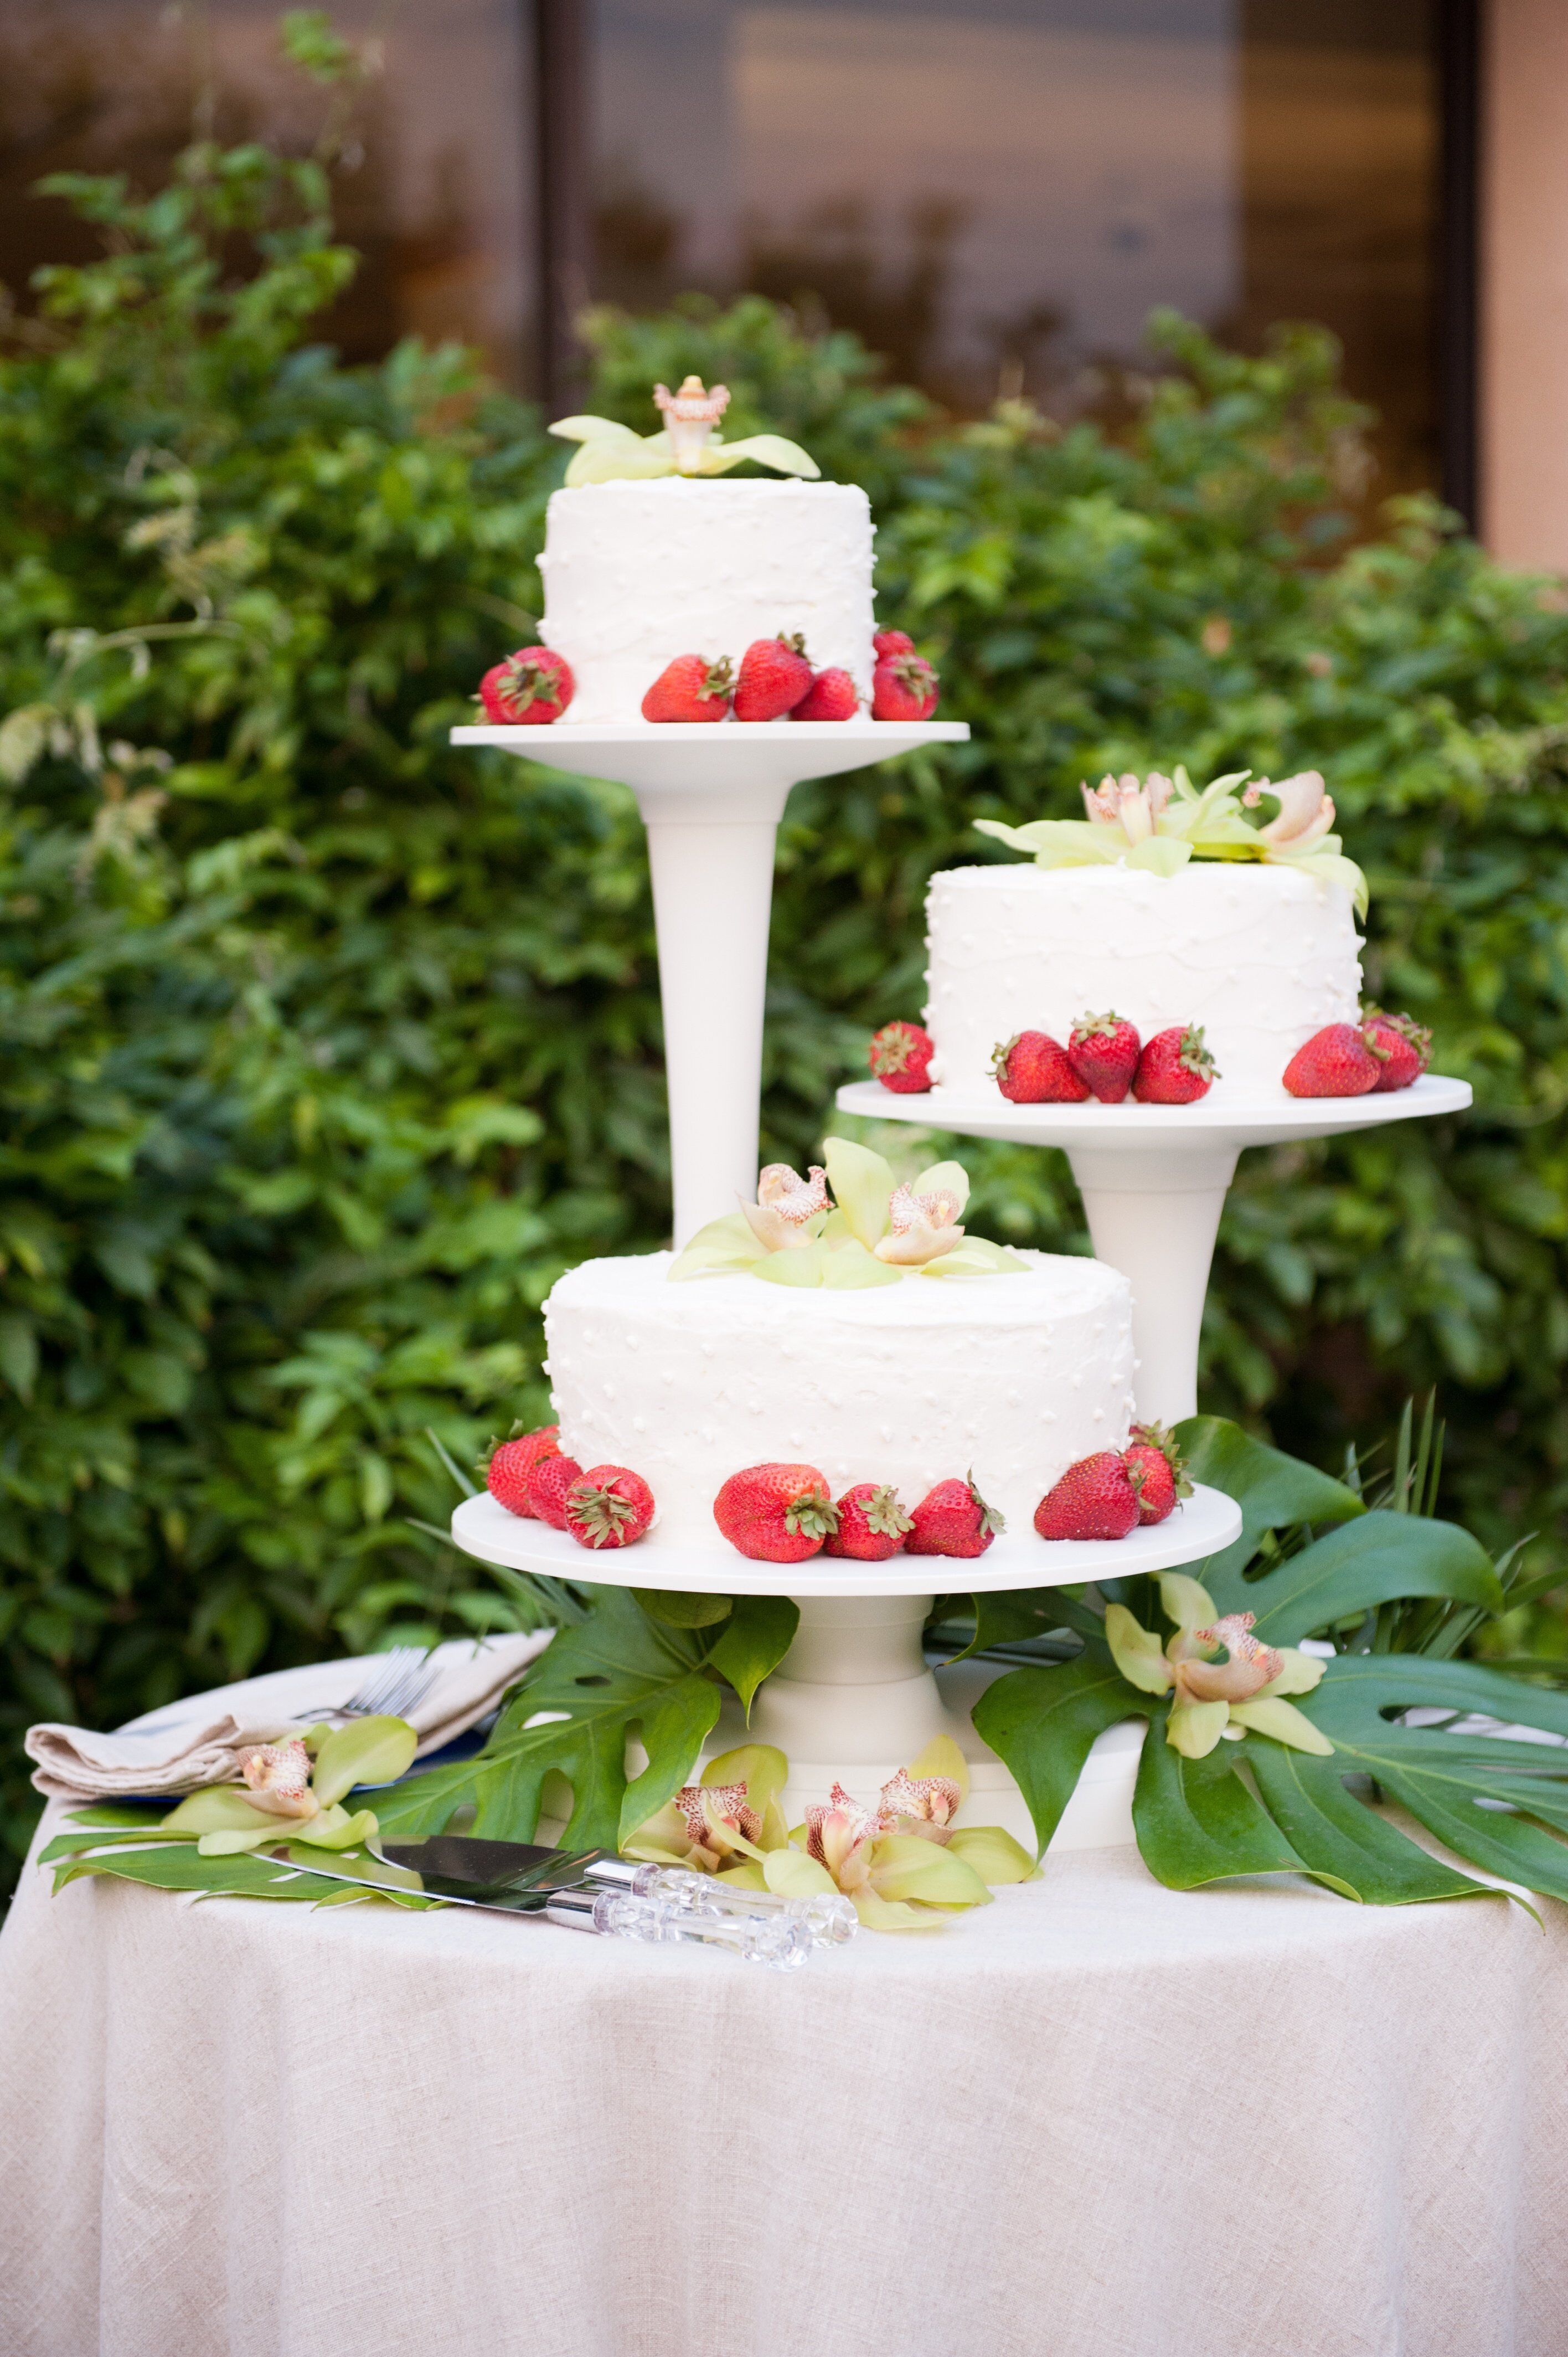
x=400, y=1681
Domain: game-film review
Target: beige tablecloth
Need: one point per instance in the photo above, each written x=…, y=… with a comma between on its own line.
x=1098, y=2119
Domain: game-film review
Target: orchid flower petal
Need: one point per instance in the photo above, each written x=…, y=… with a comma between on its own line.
x=862, y=1188
x=995, y=1857
x=1267, y=1715
x=1298, y=1672
x=1136, y=1652
x=1194, y=1728
x=904, y=1866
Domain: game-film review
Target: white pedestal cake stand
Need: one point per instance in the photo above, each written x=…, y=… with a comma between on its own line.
x=711, y=796
x=854, y=1699
x=1154, y=1180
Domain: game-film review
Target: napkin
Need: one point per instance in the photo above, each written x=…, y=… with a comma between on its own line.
x=199, y=1741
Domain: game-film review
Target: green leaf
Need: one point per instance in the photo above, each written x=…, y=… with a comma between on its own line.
x=18, y=1353
x=1365, y=1563
x=1273, y=1491
x=682, y=1611
x=1341, y=1837
x=1041, y=1723
x=755, y=1641
x=1196, y=1823
x=617, y=1673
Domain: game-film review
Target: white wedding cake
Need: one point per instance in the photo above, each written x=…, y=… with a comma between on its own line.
x=638, y=573
x=1010, y=1378
x=1261, y=957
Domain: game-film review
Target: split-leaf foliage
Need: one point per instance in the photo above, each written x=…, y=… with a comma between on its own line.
x=1412, y=1728
x=323, y=1048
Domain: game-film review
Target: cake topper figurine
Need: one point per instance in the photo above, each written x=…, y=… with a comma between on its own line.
x=690, y=417
x=688, y=444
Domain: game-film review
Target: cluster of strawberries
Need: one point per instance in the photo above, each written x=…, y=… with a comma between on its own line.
x=777, y=682
x=1115, y=1491
x=1104, y=1058
x=605, y=1507
x=782, y=1513
x=1379, y=1053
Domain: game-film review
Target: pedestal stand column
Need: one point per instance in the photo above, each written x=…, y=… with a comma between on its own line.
x=1154, y=1217
x=710, y=855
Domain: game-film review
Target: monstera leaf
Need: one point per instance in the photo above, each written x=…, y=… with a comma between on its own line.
x=1313, y=1560
x=623, y=1671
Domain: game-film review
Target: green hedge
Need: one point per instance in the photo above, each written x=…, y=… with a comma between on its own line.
x=323, y=1048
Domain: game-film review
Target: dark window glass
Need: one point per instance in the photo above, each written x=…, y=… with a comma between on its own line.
x=996, y=194
x=439, y=195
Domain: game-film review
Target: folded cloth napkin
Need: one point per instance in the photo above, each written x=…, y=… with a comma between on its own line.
x=199, y=1741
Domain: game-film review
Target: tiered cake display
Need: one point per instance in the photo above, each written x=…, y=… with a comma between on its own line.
x=907, y=1358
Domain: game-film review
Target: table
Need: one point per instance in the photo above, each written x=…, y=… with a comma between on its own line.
x=1096, y=2119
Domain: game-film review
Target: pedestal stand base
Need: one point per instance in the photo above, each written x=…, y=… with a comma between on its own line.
x=855, y=1700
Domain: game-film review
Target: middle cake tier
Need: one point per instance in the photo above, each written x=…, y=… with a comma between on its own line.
x=1008, y=1378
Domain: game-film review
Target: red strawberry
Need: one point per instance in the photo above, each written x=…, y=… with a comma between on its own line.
x=832, y=695
x=691, y=688
x=954, y=1518
x=1401, y=1046
x=774, y=675
x=903, y=688
x=777, y=1513
x=901, y=1058
x=1334, y=1062
x=1157, y=1472
x=1033, y=1069
x=1174, y=1068
x=531, y=686
x=1103, y=1050
x=608, y=1507
x=1095, y=1499
x=872, y=1523
x=892, y=643
x=548, y=1482
x=510, y=1462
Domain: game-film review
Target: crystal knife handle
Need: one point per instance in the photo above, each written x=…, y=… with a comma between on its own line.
x=779, y=1940
x=829, y=1918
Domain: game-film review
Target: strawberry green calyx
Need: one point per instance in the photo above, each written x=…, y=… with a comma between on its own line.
x=884, y=1515
x=601, y=1514
x=991, y=1519
x=1160, y=1436
x=1098, y=1027
x=813, y=1515
x=896, y=1045
x=718, y=679
x=1194, y=1055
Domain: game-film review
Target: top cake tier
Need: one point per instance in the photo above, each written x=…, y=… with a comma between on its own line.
x=638, y=573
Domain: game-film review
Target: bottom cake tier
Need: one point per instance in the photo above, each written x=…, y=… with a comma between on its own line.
x=1007, y=1379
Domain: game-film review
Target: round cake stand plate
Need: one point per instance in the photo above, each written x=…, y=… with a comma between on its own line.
x=1153, y=1181
x=711, y=796
x=855, y=1700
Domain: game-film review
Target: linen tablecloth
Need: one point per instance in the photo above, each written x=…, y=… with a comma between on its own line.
x=1096, y=2119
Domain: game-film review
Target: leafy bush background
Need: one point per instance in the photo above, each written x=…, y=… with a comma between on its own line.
x=323, y=1048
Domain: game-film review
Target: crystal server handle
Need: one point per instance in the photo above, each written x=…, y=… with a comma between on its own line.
x=829, y=1919
x=777, y=1941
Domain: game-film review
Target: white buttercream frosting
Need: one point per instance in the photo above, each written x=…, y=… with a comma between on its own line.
x=1012, y=1377
x=1260, y=956
x=636, y=574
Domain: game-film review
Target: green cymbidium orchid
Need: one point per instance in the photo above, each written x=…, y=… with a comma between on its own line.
x=904, y=1863
x=1213, y=1698
x=293, y=1790
x=877, y=1232
x=1159, y=824
x=687, y=444
x=731, y=1817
